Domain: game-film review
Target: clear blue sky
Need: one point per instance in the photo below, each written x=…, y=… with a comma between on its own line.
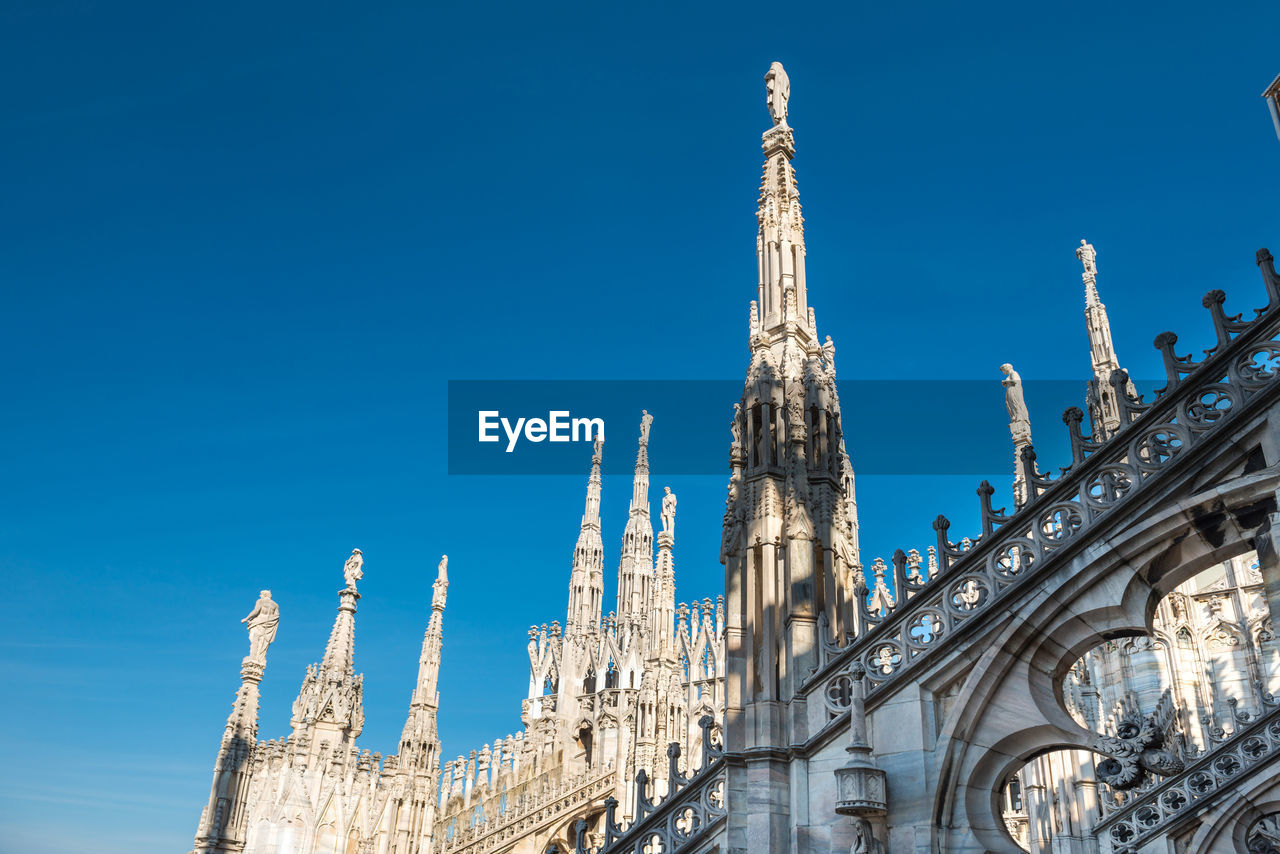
x=244, y=246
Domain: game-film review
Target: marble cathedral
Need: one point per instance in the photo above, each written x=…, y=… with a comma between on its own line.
x=1093, y=672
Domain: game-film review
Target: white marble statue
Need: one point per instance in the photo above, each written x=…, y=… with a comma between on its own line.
x=262, y=621
x=778, y=87
x=1013, y=400
x=645, y=421
x=735, y=426
x=1088, y=257
x=442, y=567
x=597, y=451
x=353, y=568
x=668, y=511
x=829, y=354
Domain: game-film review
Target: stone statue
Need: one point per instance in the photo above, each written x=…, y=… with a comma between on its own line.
x=829, y=354
x=645, y=420
x=778, y=87
x=668, y=511
x=863, y=841
x=735, y=426
x=1088, y=257
x=443, y=567
x=1013, y=400
x=597, y=451
x=262, y=620
x=352, y=569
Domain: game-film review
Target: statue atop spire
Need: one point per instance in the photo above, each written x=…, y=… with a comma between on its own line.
x=1089, y=258
x=780, y=294
x=352, y=569
x=1104, y=411
x=668, y=511
x=441, y=584
x=778, y=88
x=262, y=621
x=1020, y=427
x=1015, y=403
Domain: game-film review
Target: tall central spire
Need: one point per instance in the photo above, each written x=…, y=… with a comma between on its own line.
x=789, y=545
x=782, y=298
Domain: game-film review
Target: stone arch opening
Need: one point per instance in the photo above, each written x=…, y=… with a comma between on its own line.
x=1198, y=658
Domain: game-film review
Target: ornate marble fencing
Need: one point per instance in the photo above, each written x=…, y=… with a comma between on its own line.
x=1200, y=401
x=1218, y=771
x=693, y=808
x=528, y=810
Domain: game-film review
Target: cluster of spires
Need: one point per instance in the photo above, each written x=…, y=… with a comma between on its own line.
x=645, y=586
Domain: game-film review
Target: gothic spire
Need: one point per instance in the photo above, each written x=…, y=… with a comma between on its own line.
x=662, y=630
x=330, y=702
x=586, y=581
x=418, y=745
x=636, y=567
x=339, y=653
x=1104, y=411
x=792, y=573
x=782, y=298
x=222, y=825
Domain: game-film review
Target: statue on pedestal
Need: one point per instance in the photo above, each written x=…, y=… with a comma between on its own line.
x=1089, y=258
x=262, y=621
x=668, y=511
x=645, y=420
x=352, y=570
x=778, y=87
x=1019, y=418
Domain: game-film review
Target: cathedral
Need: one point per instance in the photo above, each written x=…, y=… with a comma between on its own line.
x=1094, y=671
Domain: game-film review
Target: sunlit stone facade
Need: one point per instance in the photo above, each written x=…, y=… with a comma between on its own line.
x=1093, y=670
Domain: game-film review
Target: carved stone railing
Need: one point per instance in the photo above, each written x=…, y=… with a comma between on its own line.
x=692, y=810
x=526, y=814
x=1200, y=400
x=1180, y=797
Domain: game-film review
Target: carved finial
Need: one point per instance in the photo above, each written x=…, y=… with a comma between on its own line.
x=597, y=450
x=778, y=88
x=353, y=568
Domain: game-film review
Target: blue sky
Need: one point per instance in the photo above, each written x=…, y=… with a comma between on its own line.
x=243, y=247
